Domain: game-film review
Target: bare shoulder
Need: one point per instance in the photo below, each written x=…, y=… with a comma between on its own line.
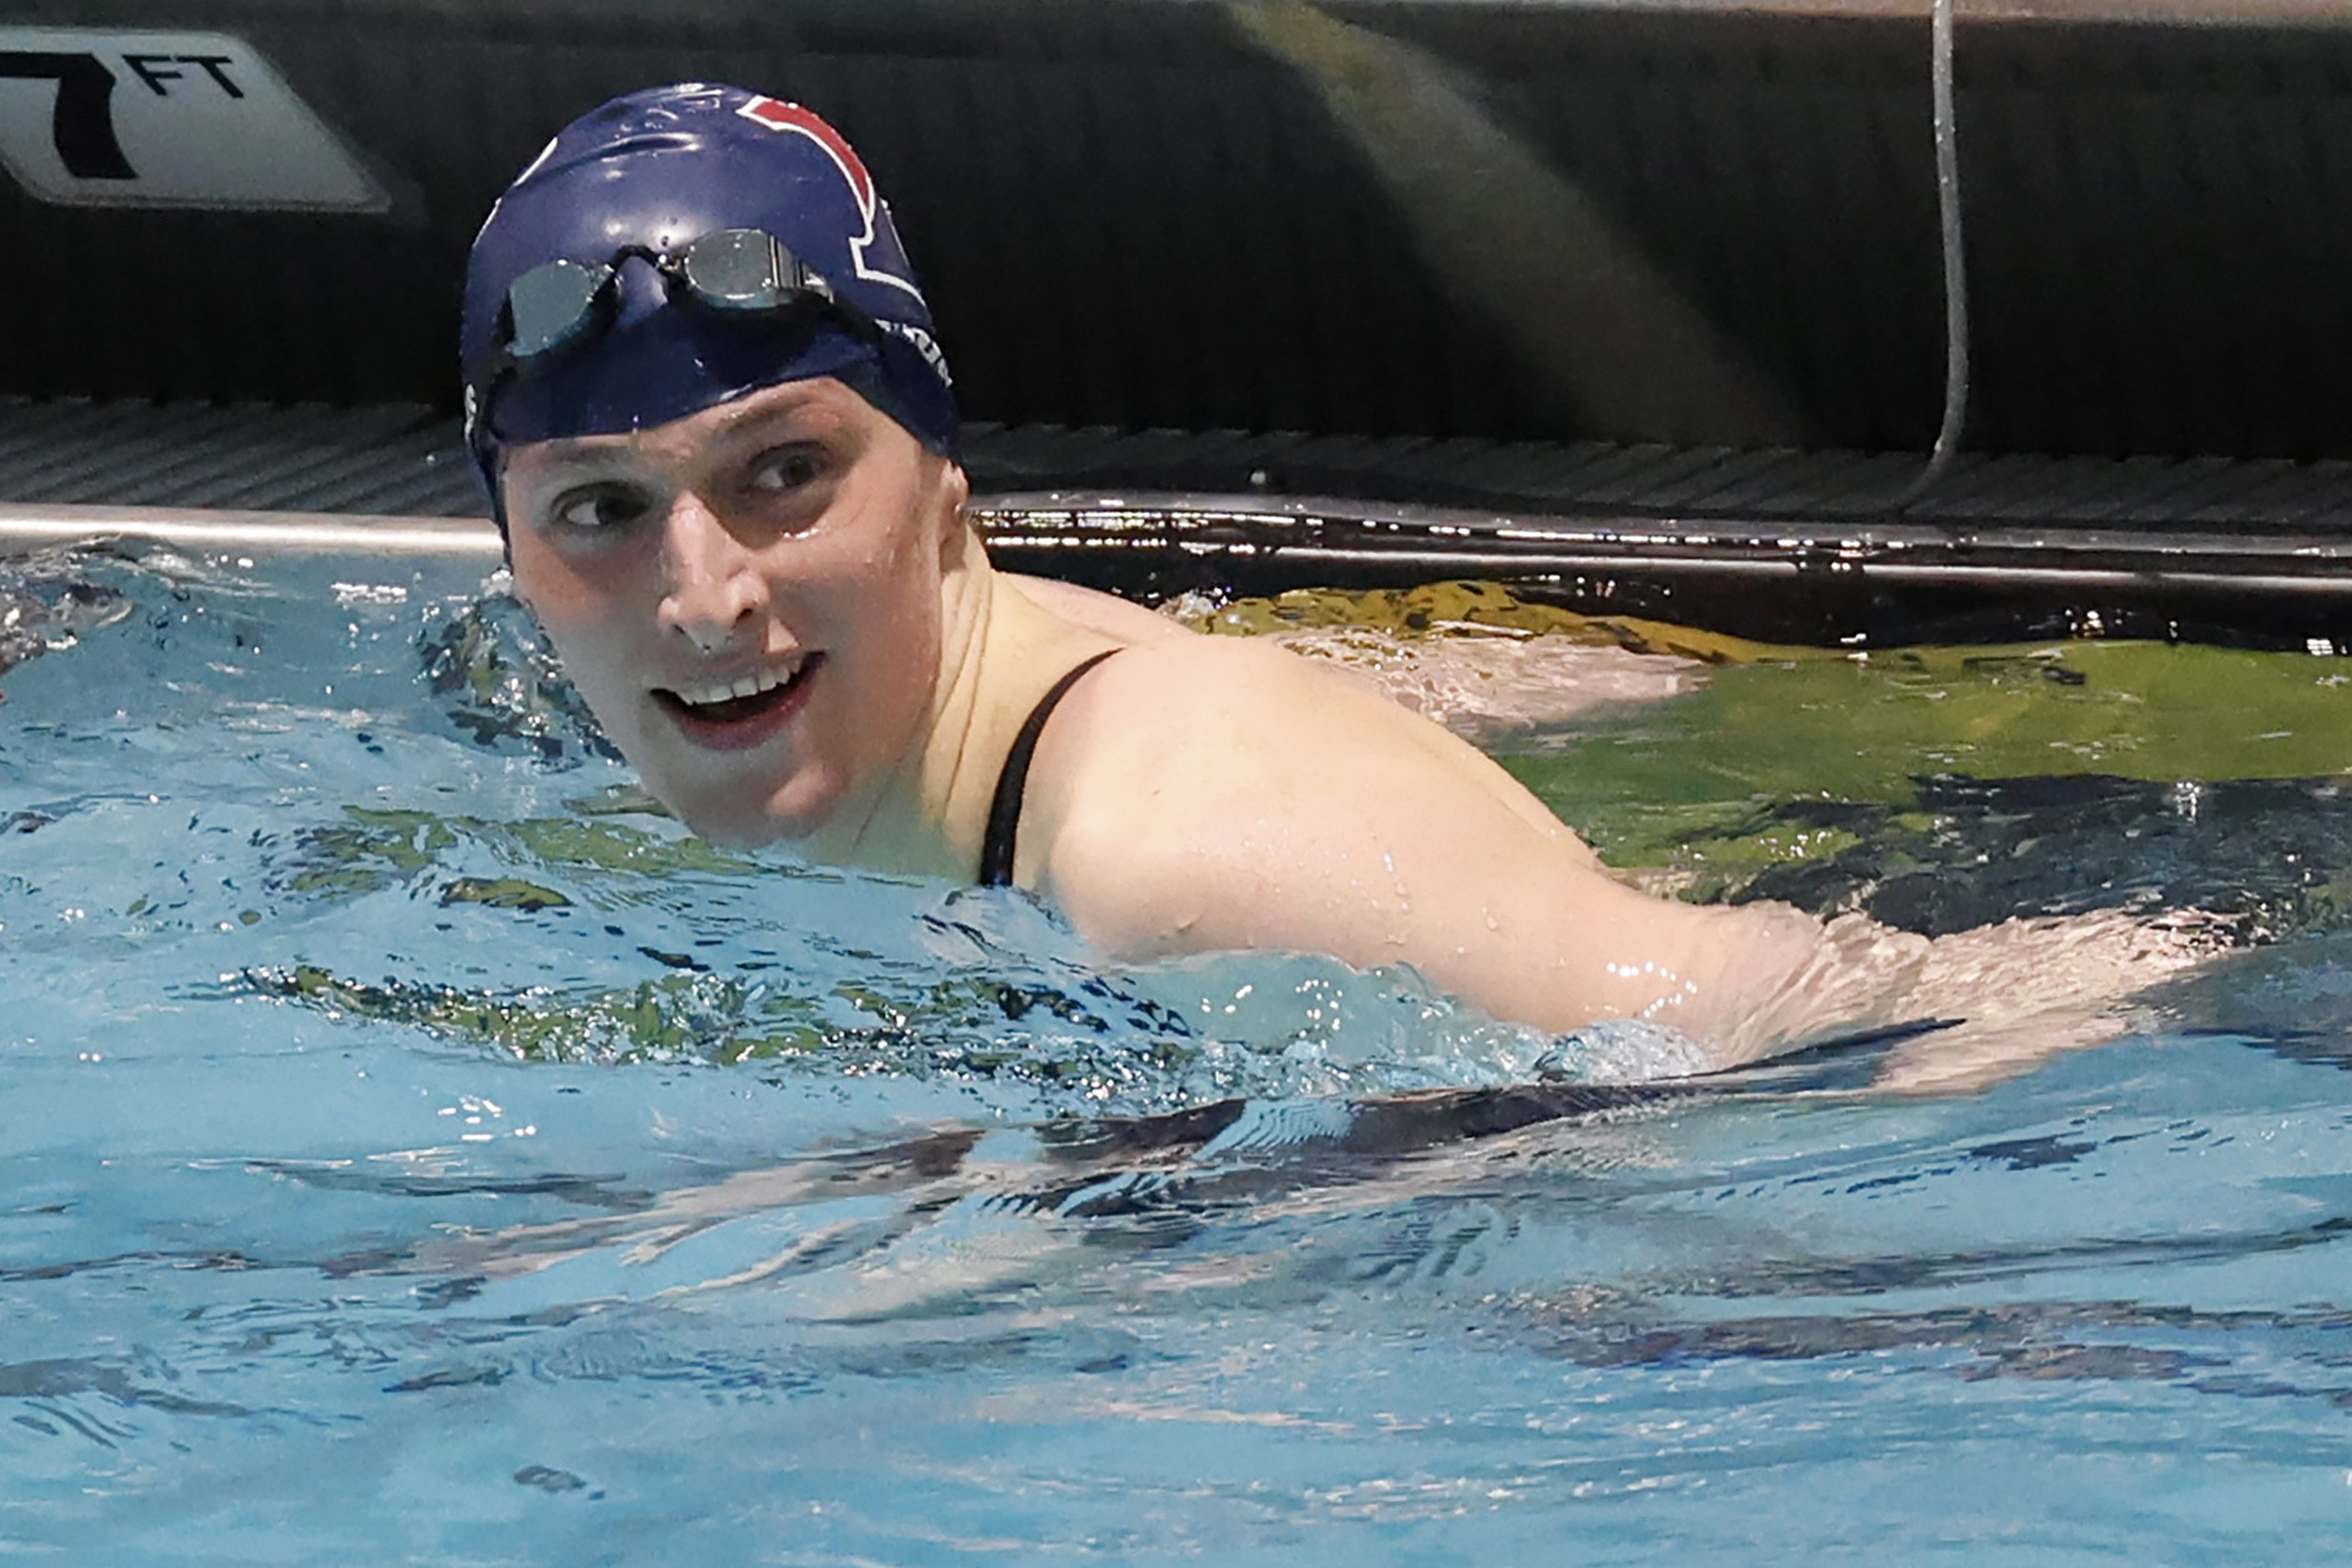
x=1254, y=715
x=1215, y=792
x=1098, y=612
x=1169, y=735
x=1194, y=735
x=1198, y=695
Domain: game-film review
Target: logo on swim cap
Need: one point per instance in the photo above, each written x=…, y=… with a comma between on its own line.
x=925, y=345
x=775, y=114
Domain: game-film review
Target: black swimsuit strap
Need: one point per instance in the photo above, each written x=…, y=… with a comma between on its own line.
x=1004, y=813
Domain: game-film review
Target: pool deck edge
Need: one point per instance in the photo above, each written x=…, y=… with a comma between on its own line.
x=274, y=532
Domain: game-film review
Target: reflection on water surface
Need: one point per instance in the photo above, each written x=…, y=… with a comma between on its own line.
x=419, y=1148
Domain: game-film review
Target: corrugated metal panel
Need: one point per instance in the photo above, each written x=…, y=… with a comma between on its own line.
x=406, y=460
x=2149, y=494
x=391, y=459
x=1691, y=220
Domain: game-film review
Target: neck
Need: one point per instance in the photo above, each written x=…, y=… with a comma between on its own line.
x=998, y=654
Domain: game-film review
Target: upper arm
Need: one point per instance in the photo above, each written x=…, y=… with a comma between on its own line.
x=1267, y=806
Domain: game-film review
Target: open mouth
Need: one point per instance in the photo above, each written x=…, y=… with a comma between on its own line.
x=730, y=705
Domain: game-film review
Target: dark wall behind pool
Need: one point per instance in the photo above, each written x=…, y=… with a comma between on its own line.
x=1556, y=222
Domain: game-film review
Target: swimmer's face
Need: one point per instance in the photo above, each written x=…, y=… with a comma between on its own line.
x=750, y=598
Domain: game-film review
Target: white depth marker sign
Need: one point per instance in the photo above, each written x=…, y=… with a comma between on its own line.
x=105, y=117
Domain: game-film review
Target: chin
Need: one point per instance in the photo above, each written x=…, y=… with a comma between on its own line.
x=729, y=826
x=731, y=832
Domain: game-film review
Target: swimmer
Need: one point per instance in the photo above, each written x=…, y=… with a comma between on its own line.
x=703, y=383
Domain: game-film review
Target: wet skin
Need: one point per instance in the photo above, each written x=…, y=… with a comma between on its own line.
x=795, y=539
x=777, y=611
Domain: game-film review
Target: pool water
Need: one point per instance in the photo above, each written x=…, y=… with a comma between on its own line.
x=419, y=1150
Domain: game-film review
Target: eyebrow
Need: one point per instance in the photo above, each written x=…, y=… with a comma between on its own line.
x=610, y=449
x=809, y=409
x=567, y=457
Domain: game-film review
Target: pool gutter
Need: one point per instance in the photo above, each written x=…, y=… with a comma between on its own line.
x=1832, y=581
x=1826, y=581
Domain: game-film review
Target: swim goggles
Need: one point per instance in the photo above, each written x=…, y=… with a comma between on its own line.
x=734, y=272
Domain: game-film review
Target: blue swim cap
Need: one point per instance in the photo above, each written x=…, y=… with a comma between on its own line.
x=631, y=185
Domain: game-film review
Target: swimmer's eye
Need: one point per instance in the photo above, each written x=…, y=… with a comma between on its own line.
x=786, y=469
x=597, y=508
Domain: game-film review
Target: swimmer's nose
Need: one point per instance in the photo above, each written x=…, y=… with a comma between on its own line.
x=713, y=587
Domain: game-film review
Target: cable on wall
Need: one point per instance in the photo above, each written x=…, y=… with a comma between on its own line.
x=1955, y=258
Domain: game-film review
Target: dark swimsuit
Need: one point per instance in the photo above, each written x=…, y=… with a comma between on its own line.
x=1004, y=813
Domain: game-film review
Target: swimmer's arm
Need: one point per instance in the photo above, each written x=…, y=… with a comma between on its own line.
x=1276, y=809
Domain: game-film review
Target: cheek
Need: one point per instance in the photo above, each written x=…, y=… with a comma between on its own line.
x=540, y=580
x=872, y=578
x=905, y=597
x=578, y=614
x=560, y=589
x=877, y=610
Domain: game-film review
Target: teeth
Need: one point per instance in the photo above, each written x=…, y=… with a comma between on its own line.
x=750, y=685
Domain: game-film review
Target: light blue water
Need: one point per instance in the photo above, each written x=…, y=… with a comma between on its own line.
x=413, y=1154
